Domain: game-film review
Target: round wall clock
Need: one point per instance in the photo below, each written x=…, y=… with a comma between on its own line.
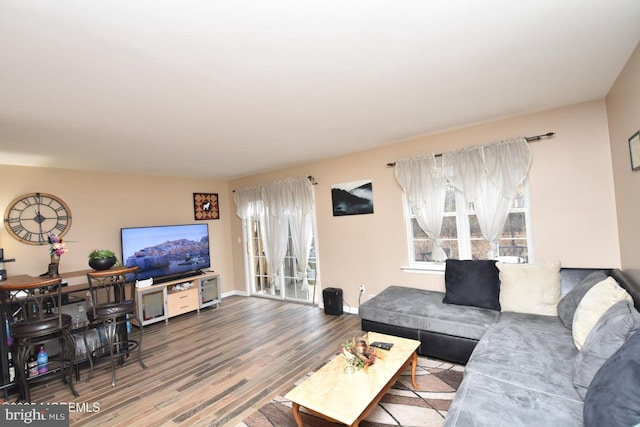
x=31, y=217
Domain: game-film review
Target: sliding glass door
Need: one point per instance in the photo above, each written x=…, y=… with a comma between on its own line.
x=291, y=281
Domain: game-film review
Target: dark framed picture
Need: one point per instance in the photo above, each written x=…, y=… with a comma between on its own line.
x=205, y=206
x=634, y=151
x=352, y=198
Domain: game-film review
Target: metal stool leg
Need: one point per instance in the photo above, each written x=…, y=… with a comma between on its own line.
x=111, y=342
x=22, y=355
x=140, y=343
x=89, y=354
x=69, y=353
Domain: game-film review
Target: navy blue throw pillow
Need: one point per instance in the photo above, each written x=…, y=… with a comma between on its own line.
x=613, y=397
x=472, y=282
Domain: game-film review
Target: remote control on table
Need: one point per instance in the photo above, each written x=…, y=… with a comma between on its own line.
x=382, y=345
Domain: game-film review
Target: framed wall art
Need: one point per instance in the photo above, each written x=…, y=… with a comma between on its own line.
x=352, y=198
x=634, y=151
x=205, y=206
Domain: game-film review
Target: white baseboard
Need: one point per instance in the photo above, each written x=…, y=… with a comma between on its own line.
x=346, y=309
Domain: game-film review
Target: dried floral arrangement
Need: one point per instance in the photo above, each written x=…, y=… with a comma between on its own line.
x=357, y=352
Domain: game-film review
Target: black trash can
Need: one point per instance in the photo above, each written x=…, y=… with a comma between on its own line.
x=332, y=301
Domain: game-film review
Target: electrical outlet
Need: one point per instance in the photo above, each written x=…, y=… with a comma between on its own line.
x=362, y=289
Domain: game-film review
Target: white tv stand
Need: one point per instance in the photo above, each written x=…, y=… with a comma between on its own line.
x=172, y=298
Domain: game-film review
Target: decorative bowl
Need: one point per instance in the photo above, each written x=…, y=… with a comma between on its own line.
x=102, y=263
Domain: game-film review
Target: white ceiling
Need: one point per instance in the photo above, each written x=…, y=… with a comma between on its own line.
x=223, y=89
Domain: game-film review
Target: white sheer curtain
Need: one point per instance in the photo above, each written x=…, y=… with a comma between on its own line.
x=275, y=226
x=424, y=184
x=488, y=176
x=249, y=203
x=301, y=224
x=278, y=206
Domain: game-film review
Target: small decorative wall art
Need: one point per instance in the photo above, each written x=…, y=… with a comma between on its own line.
x=352, y=198
x=205, y=206
x=634, y=151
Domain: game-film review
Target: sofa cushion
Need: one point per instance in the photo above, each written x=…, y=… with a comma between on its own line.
x=530, y=288
x=569, y=303
x=611, y=331
x=518, y=375
x=473, y=283
x=424, y=310
x=613, y=398
x=529, y=350
x=483, y=400
x=593, y=305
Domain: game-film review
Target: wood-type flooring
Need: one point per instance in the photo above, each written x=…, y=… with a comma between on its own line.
x=211, y=368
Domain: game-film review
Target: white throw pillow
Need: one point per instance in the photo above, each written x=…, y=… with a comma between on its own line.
x=530, y=288
x=593, y=305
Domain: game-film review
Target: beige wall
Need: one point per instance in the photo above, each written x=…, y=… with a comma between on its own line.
x=623, y=108
x=101, y=204
x=571, y=183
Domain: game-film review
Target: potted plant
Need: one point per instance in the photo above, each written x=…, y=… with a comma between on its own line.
x=102, y=259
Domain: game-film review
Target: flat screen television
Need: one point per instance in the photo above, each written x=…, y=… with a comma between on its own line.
x=166, y=252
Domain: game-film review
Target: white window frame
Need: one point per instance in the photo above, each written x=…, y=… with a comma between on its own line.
x=463, y=230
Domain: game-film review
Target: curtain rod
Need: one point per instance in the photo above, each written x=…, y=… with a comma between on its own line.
x=528, y=138
x=311, y=179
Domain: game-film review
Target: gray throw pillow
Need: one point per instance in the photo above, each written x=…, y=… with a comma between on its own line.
x=569, y=303
x=613, y=398
x=472, y=282
x=610, y=332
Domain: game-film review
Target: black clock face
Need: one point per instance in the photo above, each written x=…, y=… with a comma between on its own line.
x=31, y=217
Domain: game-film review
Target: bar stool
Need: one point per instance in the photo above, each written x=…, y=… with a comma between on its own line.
x=35, y=320
x=111, y=306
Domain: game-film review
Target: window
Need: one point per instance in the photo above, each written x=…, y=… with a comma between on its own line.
x=461, y=237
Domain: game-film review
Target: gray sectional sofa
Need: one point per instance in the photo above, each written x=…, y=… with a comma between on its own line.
x=445, y=331
x=521, y=369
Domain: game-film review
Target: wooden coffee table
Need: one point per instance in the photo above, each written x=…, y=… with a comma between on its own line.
x=348, y=398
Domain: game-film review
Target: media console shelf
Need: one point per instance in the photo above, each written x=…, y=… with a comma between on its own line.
x=165, y=300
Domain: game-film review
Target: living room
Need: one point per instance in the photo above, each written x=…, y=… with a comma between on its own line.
x=579, y=180
x=583, y=197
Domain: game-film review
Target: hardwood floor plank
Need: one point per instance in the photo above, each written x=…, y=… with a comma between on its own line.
x=208, y=369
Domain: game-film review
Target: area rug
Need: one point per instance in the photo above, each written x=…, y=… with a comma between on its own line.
x=401, y=406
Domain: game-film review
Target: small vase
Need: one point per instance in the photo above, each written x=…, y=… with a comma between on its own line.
x=53, y=266
x=350, y=359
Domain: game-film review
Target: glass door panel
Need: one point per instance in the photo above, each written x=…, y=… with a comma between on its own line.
x=152, y=305
x=209, y=291
x=290, y=277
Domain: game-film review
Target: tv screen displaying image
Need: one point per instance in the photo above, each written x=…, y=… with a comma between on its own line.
x=166, y=251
